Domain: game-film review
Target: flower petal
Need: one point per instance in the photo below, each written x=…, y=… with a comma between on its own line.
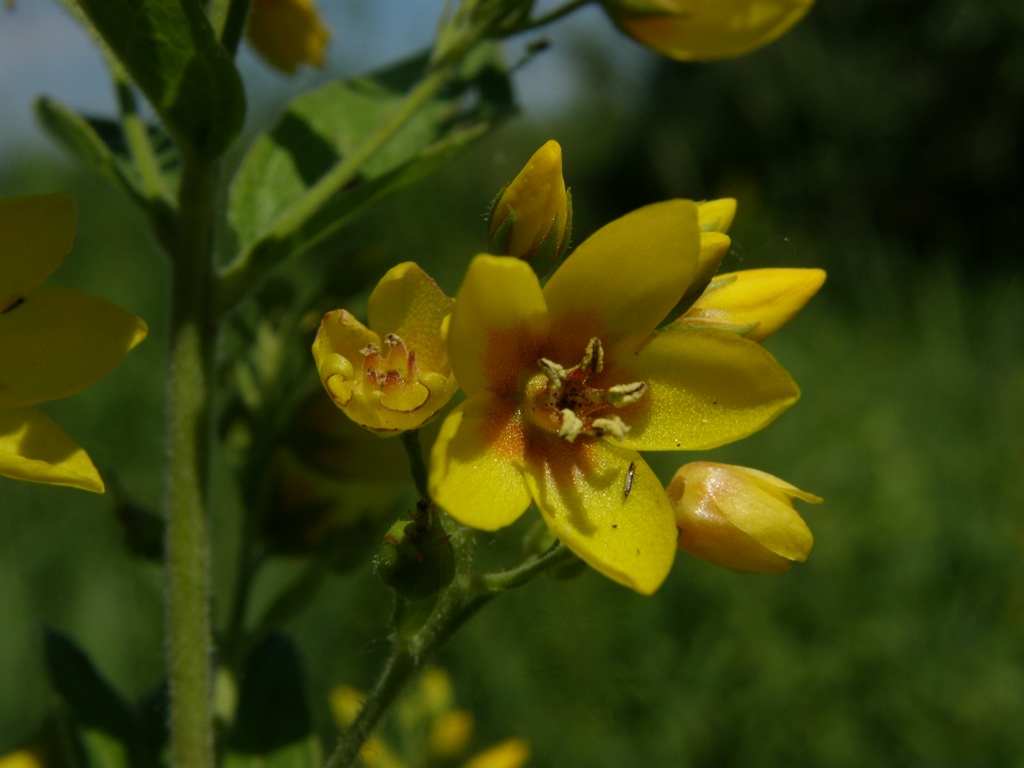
x=409, y=303
x=622, y=281
x=581, y=492
x=34, y=448
x=498, y=325
x=705, y=30
x=36, y=234
x=764, y=298
x=58, y=341
x=476, y=464
x=705, y=388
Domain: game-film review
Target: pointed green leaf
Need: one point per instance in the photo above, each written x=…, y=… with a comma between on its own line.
x=321, y=128
x=172, y=54
x=74, y=133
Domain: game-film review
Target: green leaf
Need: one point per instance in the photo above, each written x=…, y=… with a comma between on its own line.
x=273, y=719
x=320, y=129
x=74, y=133
x=99, y=143
x=172, y=54
x=109, y=729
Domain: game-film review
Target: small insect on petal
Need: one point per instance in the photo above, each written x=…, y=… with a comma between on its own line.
x=629, y=478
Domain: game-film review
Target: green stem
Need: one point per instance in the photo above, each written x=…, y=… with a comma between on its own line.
x=248, y=269
x=418, y=467
x=187, y=577
x=554, y=15
x=467, y=595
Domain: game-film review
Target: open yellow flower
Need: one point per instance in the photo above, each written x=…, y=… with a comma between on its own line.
x=394, y=375
x=739, y=518
x=287, y=33
x=703, y=30
x=54, y=342
x=567, y=383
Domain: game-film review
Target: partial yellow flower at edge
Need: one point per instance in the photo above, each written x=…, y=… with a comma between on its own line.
x=394, y=375
x=54, y=342
x=566, y=384
x=287, y=33
x=705, y=30
x=754, y=302
x=739, y=518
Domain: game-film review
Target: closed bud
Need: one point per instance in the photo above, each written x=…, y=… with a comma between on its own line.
x=739, y=518
x=416, y=558
x=287, y=33
x=714, y=218
x=698, y=30
x=753, y=302
x=531, y=218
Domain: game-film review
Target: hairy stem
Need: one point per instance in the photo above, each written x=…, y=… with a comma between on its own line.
x=187, y=577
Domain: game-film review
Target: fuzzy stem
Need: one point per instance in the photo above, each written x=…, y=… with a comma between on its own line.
x=187, y=577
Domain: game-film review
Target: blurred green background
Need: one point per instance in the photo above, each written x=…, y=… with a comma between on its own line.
x=879, y=141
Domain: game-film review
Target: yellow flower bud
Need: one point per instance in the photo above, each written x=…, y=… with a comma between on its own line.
x=531, y=218
x=739, y=518
x=714, y=218
x=287, y=33
x=703, y=30
x=754, y=302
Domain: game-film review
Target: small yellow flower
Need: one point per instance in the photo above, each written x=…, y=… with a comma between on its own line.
x=54, y=342
x=567, y=383
x=287, y=33
x=703, y=30
x=511, y=753
x=532, y=215
x=394, y=375
x=739, y=518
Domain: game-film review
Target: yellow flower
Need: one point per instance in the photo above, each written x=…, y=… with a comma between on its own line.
x=531, y=217
x=287, y=33
x=565, y=384
x=54, y=342
x=703, y=30
x=739, y=518
x=394, y=375
x=511, y=753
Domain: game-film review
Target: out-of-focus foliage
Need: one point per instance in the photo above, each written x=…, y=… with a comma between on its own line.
x=871, y=118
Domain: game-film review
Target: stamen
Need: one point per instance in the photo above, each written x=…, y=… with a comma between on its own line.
x=555, y=374
x=625, y=394
x=612, y=425
x=593, y=357
x=572, y=425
